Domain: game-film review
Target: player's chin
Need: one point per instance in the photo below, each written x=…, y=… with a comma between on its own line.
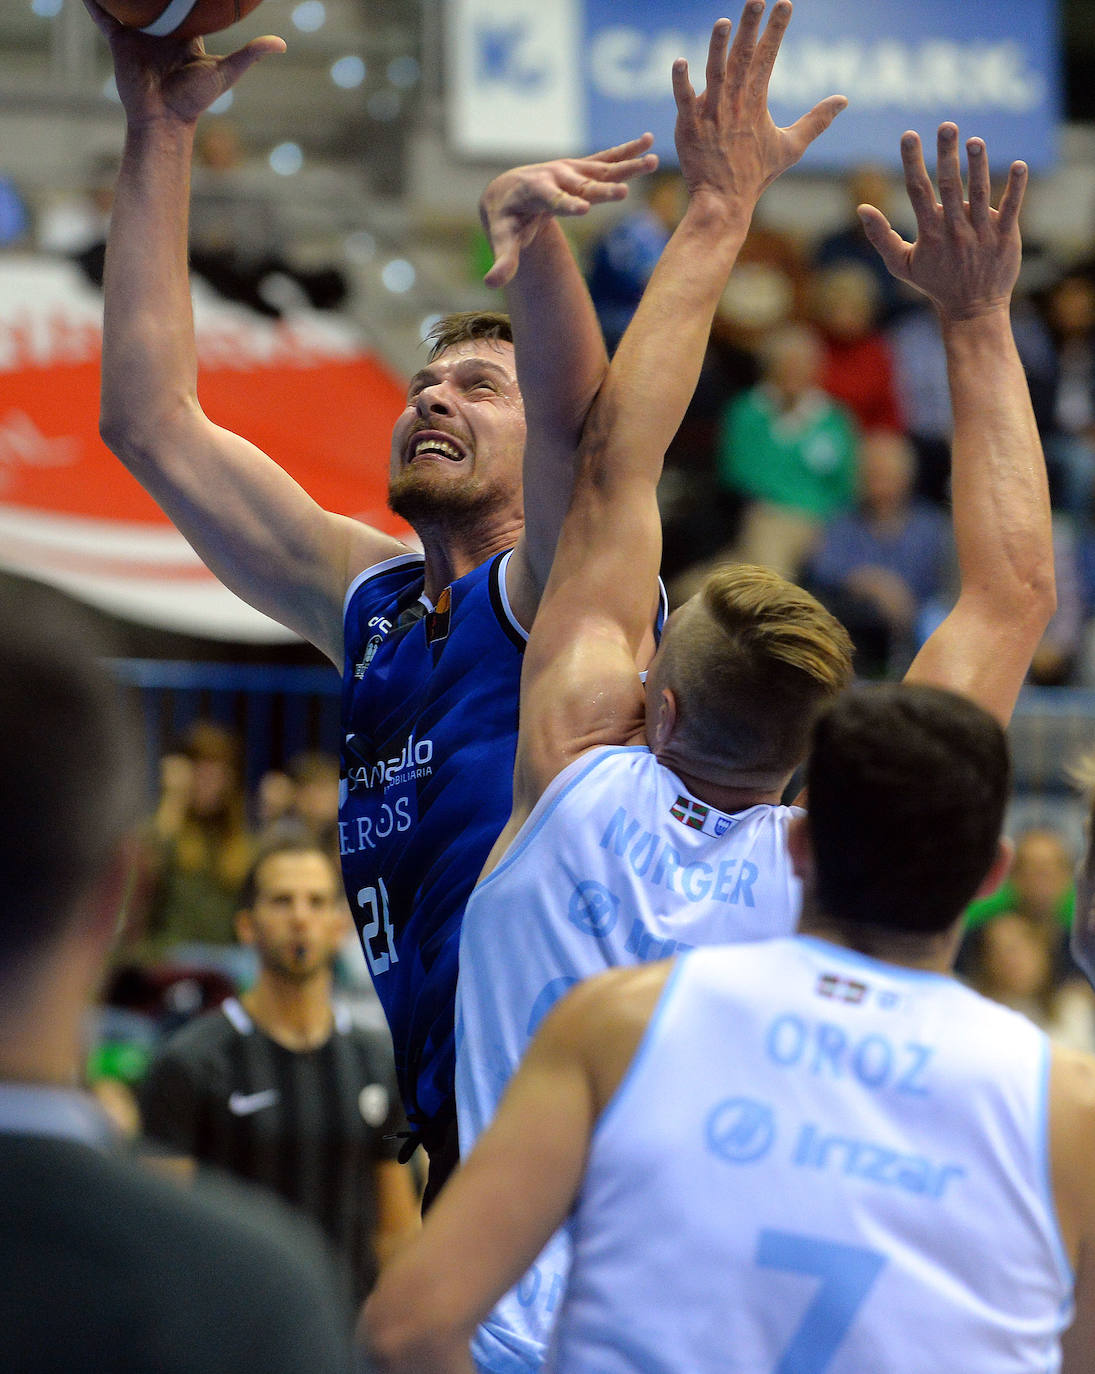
x=430, y=489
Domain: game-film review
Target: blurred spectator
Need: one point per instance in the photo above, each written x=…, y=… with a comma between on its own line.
x=274, y=797
x=1013, y=962
x=239, y=243
x=849, y=245
x=14, y=216
x=281, y=1089
x=200, y=846
x=790, y=451
x=1040, y=885
x=315, y=778
x=858, y=369
x=74, y=225
x=621, y=261
x=238, y=240
x=766, y=290
x=1069, y=312
x=920, y=373
x=883, y=568
x=1056, y=661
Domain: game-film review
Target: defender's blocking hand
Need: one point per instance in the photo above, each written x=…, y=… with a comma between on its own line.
x=516, y=205
x=729, y=146
x=966, y=256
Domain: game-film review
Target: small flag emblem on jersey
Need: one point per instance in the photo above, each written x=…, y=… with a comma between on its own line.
x=841, y=989
x=699, y=817
x=439, y=619
x=689, y=812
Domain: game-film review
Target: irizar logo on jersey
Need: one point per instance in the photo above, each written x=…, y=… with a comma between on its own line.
x=414, y=760
x=699, y=817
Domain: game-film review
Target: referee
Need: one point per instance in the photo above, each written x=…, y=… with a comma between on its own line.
x=279, y=1086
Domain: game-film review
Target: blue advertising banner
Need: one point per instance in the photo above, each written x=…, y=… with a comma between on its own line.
x=570, y=75
x=991, y=65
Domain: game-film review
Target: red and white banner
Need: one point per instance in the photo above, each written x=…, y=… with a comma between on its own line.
x=305, y=389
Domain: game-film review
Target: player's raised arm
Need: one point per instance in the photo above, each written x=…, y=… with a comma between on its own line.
x=249, y=521
x=559, y=348
x=518, y=1184
x=966, y=260
x=579, y=685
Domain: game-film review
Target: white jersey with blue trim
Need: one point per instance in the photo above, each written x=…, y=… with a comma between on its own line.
x=819, y=1163
x=617, y=864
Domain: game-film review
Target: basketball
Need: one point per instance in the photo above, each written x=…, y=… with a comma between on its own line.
x=178, y=18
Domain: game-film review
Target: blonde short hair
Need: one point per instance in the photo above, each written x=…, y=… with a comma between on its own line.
x=755, y=661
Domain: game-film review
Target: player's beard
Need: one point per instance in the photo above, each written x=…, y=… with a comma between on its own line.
x=447, y=506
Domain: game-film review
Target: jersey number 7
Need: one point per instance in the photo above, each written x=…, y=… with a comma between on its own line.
x=847, y=1273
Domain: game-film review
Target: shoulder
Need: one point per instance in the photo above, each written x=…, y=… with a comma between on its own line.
x=1072, y=1142
x=264, y=1268
x=204, y=1034
x=620, y=1000
x=262, y=1296
x=191, y=1049
x=1072, y=1086
x=600, y=1024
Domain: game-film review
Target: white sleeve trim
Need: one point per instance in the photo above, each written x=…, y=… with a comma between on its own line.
x=503, y=595
x=397, y=561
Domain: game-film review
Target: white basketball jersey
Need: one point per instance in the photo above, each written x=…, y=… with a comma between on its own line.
x=617, y=864
x=819, y=1164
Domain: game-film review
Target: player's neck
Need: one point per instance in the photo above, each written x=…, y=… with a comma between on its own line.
x=298, y=1015
x=453, y=553
x=724, y=793
x=933, y=953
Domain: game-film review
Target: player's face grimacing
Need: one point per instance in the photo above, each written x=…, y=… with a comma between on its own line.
x=461, y=437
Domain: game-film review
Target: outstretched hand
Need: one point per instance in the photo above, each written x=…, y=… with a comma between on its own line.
x=517, y=204
x=966, y=256
x=727, y=142
x=174, y=77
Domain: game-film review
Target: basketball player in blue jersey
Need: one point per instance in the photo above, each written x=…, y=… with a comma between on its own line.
x=820, y=1153
x=644, y=825
x=430, y=703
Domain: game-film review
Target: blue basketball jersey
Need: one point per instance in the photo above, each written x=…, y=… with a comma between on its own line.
x=429, y=715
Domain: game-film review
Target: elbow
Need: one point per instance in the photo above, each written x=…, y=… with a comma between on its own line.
x=116, y=432
x=1025, y=597
x=140, y=436
x=127, y=434
x=1040, y=594
x=401, y=1334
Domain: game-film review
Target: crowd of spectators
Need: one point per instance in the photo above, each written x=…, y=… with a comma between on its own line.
x=818, y=439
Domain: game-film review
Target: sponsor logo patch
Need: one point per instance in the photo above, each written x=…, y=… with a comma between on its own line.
x=244, y=1104
x=438, y=620
x=697, y=816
